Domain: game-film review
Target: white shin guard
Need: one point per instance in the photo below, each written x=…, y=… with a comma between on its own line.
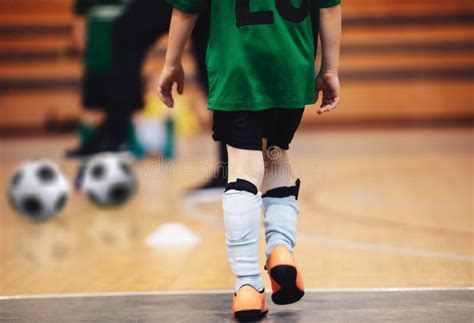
x=280, y=207
x=242, y=206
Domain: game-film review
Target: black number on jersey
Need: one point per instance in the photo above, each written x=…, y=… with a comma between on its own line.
x=284, y=7
x=290, y=13
x=247, y=18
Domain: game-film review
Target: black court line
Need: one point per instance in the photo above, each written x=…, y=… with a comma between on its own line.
x=450, y=18
x=71, y=83
x=338, y=306
x=35, y=55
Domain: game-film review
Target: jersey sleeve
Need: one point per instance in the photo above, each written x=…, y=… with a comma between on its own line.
x=327, y=3
x=188, y=6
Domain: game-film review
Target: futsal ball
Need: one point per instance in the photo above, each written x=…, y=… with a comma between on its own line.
x=109, y=180
x=38, y=189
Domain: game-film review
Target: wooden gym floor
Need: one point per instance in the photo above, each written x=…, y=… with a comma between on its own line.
x=379, y=208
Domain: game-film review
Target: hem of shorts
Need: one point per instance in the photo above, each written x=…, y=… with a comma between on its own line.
x=249, y=146
x=244, y=147
x=258, y=106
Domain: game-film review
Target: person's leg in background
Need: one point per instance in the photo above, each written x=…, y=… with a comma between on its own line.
x=93, y=106
x=90, y=119
x=135, y=32
x=94, y=101
x=91, y=38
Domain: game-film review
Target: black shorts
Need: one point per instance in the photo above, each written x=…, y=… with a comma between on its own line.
x=96, y=88
x=246, y=129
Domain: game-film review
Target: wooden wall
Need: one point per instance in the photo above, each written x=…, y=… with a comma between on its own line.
x=402, y=62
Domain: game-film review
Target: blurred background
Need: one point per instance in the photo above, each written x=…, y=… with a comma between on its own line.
x=387, y=177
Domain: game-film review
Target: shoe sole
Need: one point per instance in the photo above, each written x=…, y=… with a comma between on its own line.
x=250, y=315
x=285, y=276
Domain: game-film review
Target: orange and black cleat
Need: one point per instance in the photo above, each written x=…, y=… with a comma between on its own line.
x=285, y=276
x=249, y=304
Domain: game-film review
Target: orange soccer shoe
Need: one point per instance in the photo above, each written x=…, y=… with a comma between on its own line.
x=249, y=304
x=285, y=276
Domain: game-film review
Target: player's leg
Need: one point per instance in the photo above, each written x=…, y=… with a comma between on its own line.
x=278, y=170
x=280, y=203
x=242, y=203
x=279, y=200
x=222, y=172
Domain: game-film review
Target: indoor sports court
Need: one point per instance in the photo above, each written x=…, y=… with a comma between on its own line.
x=385, y=229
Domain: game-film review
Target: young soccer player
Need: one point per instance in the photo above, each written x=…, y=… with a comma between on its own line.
x=261, y=69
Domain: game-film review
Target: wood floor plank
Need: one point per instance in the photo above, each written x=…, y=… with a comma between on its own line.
x=378, y=209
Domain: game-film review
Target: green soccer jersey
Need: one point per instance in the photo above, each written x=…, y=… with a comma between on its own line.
x=101, y=14
x=260, y=53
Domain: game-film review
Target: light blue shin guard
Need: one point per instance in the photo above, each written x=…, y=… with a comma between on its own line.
x=242, y=206
x=280, y=207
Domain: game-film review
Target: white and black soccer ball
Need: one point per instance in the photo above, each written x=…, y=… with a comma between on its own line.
x=38, y=189
x=109, y=180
